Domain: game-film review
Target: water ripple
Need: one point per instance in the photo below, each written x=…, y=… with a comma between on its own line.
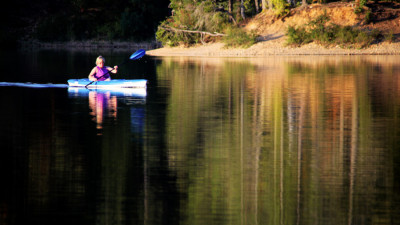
x=32, y=85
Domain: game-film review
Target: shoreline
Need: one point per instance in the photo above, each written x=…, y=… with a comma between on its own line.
x=273, y=48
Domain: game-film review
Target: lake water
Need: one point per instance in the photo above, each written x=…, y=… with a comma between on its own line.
x=275, y=140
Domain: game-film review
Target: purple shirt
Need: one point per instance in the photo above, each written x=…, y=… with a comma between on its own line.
x=100, y=72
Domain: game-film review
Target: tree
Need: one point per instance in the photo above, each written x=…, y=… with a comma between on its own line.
x=264, y=4
x=242, y=9
x=292, y=3
x=192, y=22
x=256, y=3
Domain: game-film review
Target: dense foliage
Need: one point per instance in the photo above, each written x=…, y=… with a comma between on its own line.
x=201, y=21
x=172, y=22
x=194, y=21
x=68, y=20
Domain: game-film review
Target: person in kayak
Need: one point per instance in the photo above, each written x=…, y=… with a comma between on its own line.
x=101, y=72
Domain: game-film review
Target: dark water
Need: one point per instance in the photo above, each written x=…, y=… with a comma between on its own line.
x=279, y=140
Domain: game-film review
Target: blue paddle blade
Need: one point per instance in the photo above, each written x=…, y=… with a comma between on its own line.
x=138, y=54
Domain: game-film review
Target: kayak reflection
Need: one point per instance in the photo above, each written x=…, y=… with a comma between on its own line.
x=104, y=103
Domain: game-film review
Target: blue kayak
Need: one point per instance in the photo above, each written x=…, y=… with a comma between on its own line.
x=112, y=84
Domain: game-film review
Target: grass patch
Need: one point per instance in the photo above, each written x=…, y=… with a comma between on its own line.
x=236, y=37
x=298, y=36
x=325, y=33
x=389, y=37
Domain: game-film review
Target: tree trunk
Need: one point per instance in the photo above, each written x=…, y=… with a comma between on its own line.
x=264, y=4
x=230, y=7
x=257, y=6
x=242, y=9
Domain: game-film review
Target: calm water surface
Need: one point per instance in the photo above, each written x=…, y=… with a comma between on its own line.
x=276, y=140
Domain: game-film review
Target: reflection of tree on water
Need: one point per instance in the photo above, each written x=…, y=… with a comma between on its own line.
x=102, y=104
x=285, y=143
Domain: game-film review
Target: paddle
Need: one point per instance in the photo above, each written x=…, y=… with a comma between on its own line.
x=137, y=55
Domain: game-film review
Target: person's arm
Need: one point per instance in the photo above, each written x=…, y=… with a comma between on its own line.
x=92, y=73
x=113, y=70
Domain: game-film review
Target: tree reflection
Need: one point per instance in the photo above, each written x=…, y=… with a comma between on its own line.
x=282, y=140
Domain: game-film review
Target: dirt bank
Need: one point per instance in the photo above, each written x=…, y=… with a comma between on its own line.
x=274, y=47
x=271, y=31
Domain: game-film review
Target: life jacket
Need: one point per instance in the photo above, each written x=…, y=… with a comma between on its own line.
x=100, y=73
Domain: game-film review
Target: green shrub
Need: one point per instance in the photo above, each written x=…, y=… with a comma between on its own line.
x=320, y=31
x=281, y=7
x=365, y=39
x=368, y=17
x=189, y=15
x=166, y=38
x=327, y=35
x=175, y=38
x=297, y=37
x=345, y=35
x=236, y=37
x=389, y=37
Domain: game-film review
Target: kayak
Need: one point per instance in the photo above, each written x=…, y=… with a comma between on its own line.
x=112, y=84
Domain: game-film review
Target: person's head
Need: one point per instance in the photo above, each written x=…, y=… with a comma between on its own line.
x=100, y=61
